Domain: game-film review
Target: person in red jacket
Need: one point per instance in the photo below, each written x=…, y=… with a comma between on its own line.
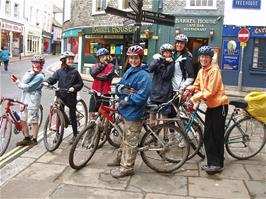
x=103, y=74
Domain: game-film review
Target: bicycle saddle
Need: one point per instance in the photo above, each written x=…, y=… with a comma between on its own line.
x=239, y=103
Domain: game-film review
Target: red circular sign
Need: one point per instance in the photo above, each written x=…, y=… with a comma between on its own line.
x=243, y=35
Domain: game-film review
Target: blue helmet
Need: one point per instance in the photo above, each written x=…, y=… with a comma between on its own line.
x=206, y=50
x=102, y=51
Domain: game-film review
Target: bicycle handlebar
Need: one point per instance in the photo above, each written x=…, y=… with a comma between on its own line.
x=52, y=87
x=13, y=101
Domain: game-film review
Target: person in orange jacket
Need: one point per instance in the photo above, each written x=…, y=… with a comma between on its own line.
x=211, y=89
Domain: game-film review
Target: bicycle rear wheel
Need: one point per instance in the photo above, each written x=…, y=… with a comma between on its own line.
x=245, y=138
x=53, y=130
x=84, y=147
x=5, y=133
x=163, y=154
x=82, y=114
x=114, y=137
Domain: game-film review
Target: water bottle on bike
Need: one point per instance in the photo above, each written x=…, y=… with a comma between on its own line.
x=17, y=124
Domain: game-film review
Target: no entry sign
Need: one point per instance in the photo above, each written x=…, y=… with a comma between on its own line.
x=243, y=35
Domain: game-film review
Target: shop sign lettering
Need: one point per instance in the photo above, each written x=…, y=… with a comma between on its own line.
x=115, y=29
x=11, y=27
x=247, y=4
x=196, y=25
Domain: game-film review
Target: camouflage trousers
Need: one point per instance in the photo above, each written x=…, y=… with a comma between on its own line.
x=129, y=148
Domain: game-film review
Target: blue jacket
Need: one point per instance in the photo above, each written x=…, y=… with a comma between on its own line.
x=139, y=79
x=4, y=55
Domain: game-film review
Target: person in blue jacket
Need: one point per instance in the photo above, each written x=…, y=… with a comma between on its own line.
x=4, y=56
x=133, y=91
x=31, y=84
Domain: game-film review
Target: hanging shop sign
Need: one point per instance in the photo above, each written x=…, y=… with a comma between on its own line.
x=11, y=27
x=230, y=55
x=247, y=4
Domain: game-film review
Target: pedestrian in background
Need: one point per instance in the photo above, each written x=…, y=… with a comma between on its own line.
x=69, y=83
x=4, y=56
x=162, y=68
x=209, y=87
x=133, y=90
x=31, y=84
x=103, y=74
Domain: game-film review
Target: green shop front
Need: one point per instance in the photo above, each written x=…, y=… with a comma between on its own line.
x=86, y=41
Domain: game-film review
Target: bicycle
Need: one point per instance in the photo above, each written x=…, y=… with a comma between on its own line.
x=245, y=136
x=9, y=123
x=154, y=150
x=58, y=120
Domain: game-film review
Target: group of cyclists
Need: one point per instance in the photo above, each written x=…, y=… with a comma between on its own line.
x=170, y=71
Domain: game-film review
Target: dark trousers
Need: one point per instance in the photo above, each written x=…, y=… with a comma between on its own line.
x=6, y=65
x=214, y=135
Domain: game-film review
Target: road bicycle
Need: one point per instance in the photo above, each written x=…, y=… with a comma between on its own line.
x=154, y=149
x=245, y=136
x=9, y=123
x=58, y=120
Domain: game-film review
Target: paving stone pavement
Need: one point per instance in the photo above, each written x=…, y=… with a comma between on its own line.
x=41, y=174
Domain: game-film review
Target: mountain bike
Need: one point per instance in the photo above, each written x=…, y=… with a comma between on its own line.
x=154, y=149
x=9, y=123
x=58, y=120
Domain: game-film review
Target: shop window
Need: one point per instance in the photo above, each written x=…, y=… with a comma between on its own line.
x=201, y=4
x=8, y=8
x=259, y=55
x=98, y=6
x=16, y=10
x=72, y=45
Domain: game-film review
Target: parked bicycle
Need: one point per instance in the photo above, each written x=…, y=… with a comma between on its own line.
x=154, y=149
x=58, y=120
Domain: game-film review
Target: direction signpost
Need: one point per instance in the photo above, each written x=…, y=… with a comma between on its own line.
x=140, y=15
x=243, y=37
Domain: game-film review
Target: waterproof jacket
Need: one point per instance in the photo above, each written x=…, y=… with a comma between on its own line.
x=210, y=85
x=163, y=72
x=66, y=78
x=103, y=75
x=184, y=71
x=139, y=79
x=4, y=55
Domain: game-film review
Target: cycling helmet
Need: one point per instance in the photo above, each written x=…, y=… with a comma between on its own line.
x=206, y=50
x=135, y=50
x=166, y=47
x=36, y=58
x=181, y=37
x=102, y=51
x=66, y=54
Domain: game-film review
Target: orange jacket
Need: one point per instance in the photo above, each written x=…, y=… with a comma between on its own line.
x=210, y=85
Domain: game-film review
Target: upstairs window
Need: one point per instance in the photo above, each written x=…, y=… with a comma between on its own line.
x=259, y=56
x=16, y=10
x=201, y=4
x=8, y=8
x=123, y=4
x=98, y=6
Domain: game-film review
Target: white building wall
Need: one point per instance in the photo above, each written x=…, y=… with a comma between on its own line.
x=244, y=17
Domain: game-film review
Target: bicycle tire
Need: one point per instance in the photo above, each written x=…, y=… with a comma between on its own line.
x=40, y=115
x=164, y=159
x=5, y=133
x=113, y=136
x=53, y=133
x=79, y=150
x=103, y=135
x=82, y=114
x=245, y=146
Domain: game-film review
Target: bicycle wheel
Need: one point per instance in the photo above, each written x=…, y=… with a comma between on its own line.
x=82, y=114
x=53, y=130
x=84, y=147
x=40, y=115
x=5, y=133
x=245, y=138
x=114, y=137
x=162, y=153
x=103, y=132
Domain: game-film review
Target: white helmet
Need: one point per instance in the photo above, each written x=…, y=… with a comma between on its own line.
x=66, y=54
x=181, y=37
x=166, y=47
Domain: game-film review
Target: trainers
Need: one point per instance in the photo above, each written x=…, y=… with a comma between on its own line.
x=114, y=163
x=211, y=170
x=117, y=173
x=34, y=142
x=25, y=142
x=204, y=167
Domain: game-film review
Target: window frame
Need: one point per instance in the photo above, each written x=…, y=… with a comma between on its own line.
x=16, y=10
x=8, y=8
x=94, y=11
x=120, y=6
x=188, y=6
x=257, y=45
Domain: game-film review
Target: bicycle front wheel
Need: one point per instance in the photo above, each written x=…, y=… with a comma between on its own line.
x=5, y=133
x=162, y=152
x=53, y=130
x=82, y=114
x=84, y=147
x=245, y=138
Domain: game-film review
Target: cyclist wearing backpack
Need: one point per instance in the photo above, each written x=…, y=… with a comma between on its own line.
x=31, y=84
x=69, y=83
x=103, y=74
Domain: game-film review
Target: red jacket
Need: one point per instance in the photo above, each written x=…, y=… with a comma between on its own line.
x=103, y=76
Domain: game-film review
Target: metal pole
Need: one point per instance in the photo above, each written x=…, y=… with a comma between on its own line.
x=240, y=75
x=136, y=37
